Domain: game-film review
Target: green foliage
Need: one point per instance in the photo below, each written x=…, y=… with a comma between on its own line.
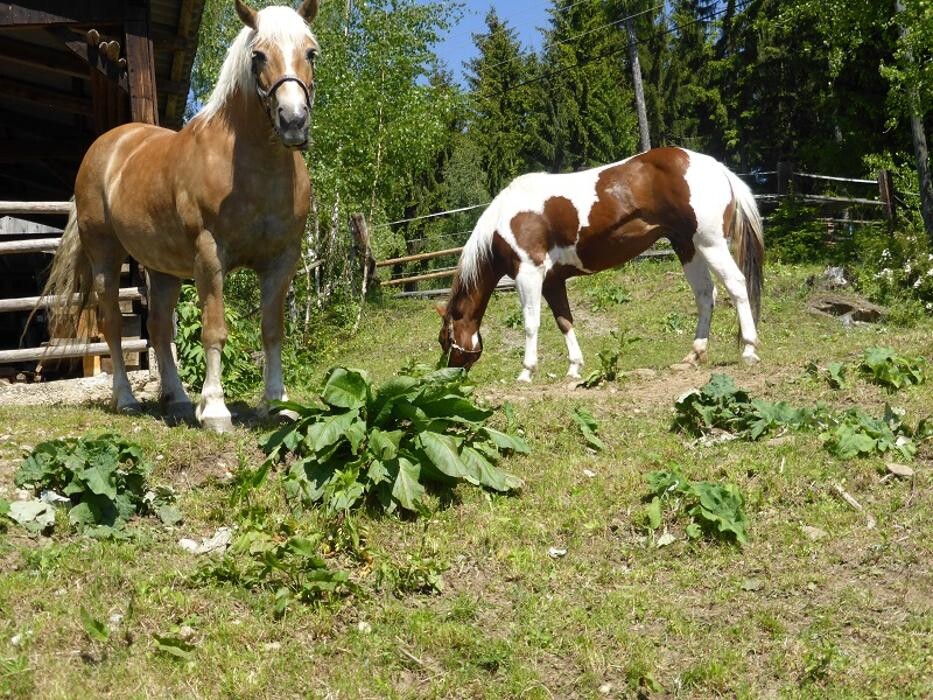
x=720, y=405
x=795, y=234
x=589, y=428
x=855, y=434
x=716, y=510
x=241, y=374
x=885, y=367
x=609, y=359
x=279, y=558
x=603, y=293
x=834, y=373
x=384, y=445
x=420, y=572
x=103, y=479
x=897, y=269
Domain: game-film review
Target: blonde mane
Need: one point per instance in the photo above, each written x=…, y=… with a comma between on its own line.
x=276, y=25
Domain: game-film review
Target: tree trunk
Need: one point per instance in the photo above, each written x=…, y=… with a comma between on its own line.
x=639, y=89
x=921, y=153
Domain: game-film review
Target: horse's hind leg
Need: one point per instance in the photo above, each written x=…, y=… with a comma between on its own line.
x=555, y=294
x=212, y=412
x=163, y=296
x=704, y=291
x=715, y=251
x=107, y=256
x=274, y=282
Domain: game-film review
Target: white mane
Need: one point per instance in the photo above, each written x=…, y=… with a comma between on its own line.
x=277, y=25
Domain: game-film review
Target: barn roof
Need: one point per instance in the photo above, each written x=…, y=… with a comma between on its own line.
x=58, y=90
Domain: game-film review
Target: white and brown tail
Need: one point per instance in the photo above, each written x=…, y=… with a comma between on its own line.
x=748, y=234
x=70, y=275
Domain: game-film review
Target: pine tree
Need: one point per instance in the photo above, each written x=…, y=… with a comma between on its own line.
x=500, y=97
x=585, y=116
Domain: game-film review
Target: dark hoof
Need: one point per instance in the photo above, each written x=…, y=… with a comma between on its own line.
x=178, y=412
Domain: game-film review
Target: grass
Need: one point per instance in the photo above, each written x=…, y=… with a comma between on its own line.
x=847, y=615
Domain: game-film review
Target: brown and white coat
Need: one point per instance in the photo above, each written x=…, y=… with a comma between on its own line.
x=544, y=228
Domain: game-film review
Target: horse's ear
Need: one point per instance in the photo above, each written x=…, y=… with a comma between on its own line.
x=247, y=14
x=441, y=309
x=308, y=10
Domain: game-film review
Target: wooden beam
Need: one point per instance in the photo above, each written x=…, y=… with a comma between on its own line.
x=25, y=54
x=89, y=56
x=18, y=150
x=24, y=14
x=37, y=245
x=35, y=207
x=29, y=303
x=140, y=59
x=73, y=349
x=418, y=258
x=62, y=101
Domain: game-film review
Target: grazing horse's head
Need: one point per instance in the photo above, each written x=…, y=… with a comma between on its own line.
x=281, y=61
x=460, y=339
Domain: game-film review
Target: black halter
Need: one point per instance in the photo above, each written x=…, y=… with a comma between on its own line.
x=265, y=97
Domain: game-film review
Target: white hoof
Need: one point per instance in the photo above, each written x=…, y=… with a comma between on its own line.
x=750, y=357
x=574, y=371
x=525, y=376
x=212, y=414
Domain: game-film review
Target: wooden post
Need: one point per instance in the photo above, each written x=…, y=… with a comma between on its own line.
x=364, y=255
x=785, y=174
x=886, y=194
x=644, y=133
x=140, y=63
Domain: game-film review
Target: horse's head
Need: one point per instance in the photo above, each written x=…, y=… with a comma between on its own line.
x=460, y=339
x=283, y=52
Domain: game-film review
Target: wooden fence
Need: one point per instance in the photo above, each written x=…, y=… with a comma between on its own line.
x=786, y=183
x=18, y=237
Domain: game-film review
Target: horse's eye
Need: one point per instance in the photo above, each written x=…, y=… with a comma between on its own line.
x=312, y=55
x=258, y=58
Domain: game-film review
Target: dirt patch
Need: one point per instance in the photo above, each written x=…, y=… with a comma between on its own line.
x=72, y=392
x=639, y=388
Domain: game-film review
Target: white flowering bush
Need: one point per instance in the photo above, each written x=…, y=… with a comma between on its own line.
x=899, y=269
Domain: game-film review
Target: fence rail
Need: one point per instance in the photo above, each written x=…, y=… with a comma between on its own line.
x=67, y=350
x=7, y=207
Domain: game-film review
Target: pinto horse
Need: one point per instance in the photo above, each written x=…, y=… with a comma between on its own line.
x=543, y=229
x=229, y=190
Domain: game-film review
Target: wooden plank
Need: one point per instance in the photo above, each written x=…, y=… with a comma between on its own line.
x=29, y=303
x=420, y=278
x=11, y=226
x=26, y=54
x=418, y=257
x=35, y=207
x=72, y=349
x=20, y=150
x=140, y=59
x=62, y=101
x=37, y=245
x=24, y=14
x=832, y=178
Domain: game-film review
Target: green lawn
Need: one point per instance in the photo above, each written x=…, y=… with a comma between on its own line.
x=845, y=615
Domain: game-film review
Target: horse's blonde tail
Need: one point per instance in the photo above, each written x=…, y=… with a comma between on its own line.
x=70, y=274
x=748, y=234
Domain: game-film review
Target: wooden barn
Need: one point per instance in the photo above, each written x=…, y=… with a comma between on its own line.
x=69, y=71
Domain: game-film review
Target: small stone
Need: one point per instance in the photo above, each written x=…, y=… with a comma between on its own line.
x=813, y=533
x=589, y=473
x=364, y=627
x=557, y=552
x=185, y=632
x=159, y=458
x=116, y=619
x=17, y=639
x=272, y=646
x=752, y=584
x=605, y=689
x=901, y=470
x=666, y=539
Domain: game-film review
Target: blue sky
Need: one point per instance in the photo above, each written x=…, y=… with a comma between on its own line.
x=525, y=16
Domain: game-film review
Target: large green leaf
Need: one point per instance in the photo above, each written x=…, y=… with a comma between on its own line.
x=487, y=473
x=444, y=453
x=346, y=388
x=330, y=430
x=407, y=489
x=100, y=480
x=504, y=441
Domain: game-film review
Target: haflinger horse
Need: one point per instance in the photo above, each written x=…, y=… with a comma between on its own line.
x=543, y=229
x=229, y=190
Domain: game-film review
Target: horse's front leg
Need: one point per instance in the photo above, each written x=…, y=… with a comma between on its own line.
x=211, y=412
x=556, y=296
x=274, y=283
x=163, y=296
x=528, y=282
